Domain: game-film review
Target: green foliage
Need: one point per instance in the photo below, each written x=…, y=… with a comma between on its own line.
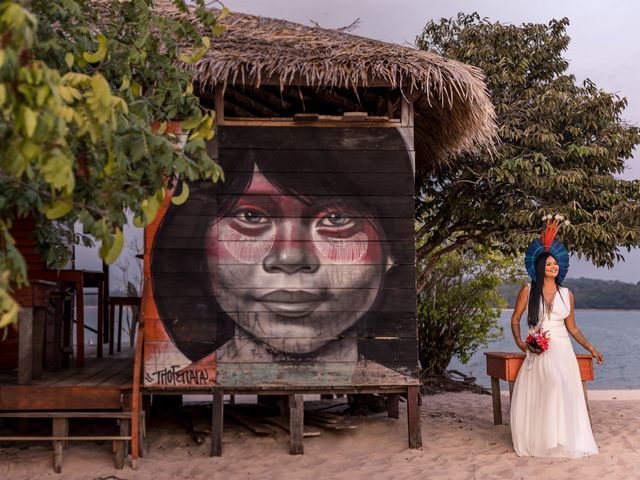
x=80, y=85
x=458, y=310
x=562, y=145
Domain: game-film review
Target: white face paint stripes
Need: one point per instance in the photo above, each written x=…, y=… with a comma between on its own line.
x=247, y=249
x=343, y=250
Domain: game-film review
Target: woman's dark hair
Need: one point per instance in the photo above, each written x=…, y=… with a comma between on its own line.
x=380, y=184
x=536, y=297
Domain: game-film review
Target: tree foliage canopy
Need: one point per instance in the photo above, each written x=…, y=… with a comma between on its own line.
x=77, y=101
x=561, y=146
x=458, y=310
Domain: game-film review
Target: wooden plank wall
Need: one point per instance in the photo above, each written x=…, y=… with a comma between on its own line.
x=297, y=270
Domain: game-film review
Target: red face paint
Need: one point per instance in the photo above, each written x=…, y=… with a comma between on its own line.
x=294, y=273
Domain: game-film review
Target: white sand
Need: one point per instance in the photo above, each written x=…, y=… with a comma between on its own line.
x=460, y=442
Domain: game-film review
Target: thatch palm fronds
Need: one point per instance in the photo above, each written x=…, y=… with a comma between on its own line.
x=453, y=112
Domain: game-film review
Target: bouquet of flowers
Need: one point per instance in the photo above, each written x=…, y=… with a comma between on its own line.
x=538, y=342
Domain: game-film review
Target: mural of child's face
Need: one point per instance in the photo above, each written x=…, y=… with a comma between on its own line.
x=294, y=274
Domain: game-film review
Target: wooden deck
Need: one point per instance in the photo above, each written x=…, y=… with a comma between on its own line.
x=98, y=385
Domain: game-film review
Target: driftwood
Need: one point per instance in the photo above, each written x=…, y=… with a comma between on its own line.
x=451, y=381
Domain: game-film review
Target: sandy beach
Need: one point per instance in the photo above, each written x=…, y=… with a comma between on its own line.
x=460, y=442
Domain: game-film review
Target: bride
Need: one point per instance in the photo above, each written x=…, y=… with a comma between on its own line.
x=549, y=415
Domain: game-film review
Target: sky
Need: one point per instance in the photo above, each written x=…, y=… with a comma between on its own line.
x=604, y=47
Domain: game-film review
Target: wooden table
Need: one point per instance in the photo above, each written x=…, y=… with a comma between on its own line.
x=505, y=366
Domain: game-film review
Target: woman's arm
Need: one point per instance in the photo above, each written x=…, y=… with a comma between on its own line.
x=575, y=332
x=518, y=310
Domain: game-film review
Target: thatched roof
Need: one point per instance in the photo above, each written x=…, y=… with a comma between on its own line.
x=453, y=112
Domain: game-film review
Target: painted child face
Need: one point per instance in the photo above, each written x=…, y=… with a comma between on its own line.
x=294, y=274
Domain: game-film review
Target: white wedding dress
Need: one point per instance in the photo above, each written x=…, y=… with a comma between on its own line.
x=548, y=410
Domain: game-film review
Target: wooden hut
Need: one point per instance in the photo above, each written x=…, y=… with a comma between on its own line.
x=296, y=274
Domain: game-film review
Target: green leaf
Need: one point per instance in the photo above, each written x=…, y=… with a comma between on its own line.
x=29, y=121
x=190, y=123
x=125, y=83
x=10, y=315
x=69, y=59
x=218, y=30
x=223, y=13
x=150, y=207
x=57, y=209
x=184, y=194
x=99, y=54
x=110, y=252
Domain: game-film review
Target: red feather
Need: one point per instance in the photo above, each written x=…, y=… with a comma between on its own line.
x=549, y=233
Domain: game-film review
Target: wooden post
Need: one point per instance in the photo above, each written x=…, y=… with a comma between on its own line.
x=219, y=104
x=296, y=424
x=60, y=429
x=58, y=320
x=413, y=417
x=67, y=331
x=121, y=445
x=102, y=334
x=80, y=325
x=112, y=321
x=25, y=345
x=393, y=405
x=497, y=402
x=406, y=115
x=105, y=300
x=120, y=326
x=37, y=341
x=217, y=422
x=135, y=399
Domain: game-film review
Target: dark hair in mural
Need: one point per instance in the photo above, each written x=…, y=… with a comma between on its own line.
x=193, y=316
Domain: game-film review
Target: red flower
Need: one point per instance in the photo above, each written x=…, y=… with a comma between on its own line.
x=538, y=342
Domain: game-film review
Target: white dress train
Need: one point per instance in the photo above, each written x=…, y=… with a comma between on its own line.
x=548, y=410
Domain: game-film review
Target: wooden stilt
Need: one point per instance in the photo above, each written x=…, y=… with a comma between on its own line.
x=413, y=417
x=217, y=422
x=296, y=424
x=60, y=428
x=121, y=445
x=497, y=402
x=393, y=405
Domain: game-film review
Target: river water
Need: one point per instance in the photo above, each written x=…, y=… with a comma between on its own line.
x=615, y=333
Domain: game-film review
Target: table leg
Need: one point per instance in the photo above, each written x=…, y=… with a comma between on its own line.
x=497, y=403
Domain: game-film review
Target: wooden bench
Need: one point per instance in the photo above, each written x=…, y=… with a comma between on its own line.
x=505, y=366
x=60, y=433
